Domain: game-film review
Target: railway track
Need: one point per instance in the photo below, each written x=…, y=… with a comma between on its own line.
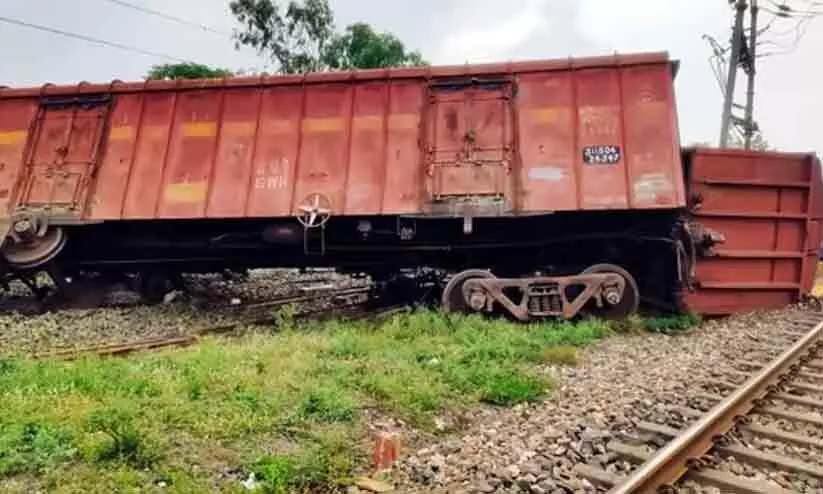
x=756, y=428
x=346, y=303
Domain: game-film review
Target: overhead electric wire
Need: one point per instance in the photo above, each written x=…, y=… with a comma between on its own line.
x=97, y=41
x=785, y=8
x=170, y=17
x=185, y=22
x=782, y=10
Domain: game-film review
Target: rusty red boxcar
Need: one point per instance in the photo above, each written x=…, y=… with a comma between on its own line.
x=527, y=137
x=550, y=187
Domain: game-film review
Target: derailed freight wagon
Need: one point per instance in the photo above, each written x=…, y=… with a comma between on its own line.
x=540, y=188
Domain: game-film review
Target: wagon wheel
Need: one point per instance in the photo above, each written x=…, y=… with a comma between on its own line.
x=453, y=299
x=314, y=211
x=35, y=250
x=614, y=308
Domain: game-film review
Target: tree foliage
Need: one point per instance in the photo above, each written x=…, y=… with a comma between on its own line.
x=172, y=71
x=301, y=37
x=295, y=36
x=360, y=46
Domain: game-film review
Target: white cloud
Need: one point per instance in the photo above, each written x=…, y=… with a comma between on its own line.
x=488, y=32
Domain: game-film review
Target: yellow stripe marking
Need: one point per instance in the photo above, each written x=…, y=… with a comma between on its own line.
x=185, y=192
x=200, y=129
x=13, y=137
x=549, y=115
x=368, y=122
x=121, y=133
x=333, y=124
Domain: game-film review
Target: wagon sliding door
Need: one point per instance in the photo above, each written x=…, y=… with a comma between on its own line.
x=469, y=142
x=63, y=154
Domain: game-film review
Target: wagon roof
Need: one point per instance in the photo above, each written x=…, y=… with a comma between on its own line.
x=444, y=71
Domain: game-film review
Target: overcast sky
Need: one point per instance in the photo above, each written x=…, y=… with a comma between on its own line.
x=789, y=94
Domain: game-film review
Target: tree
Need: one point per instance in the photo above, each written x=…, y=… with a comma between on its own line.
x=295, y=37
x=302, y=38
x=362, y=47
x=172, y=71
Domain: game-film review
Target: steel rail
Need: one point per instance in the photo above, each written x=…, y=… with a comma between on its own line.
x=159, y=342
x=672, y=462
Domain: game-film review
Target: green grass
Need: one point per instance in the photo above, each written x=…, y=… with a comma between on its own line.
x=286, y=406
x=664, y=324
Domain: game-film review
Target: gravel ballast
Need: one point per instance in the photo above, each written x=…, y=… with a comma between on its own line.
x=534, y=447
x=209, y=300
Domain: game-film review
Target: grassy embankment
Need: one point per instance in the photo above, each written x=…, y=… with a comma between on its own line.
x=289, y=407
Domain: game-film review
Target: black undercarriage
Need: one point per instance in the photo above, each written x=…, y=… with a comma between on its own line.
x=648, y=245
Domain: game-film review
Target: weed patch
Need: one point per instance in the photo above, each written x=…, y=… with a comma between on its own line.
x=507, y=387
x=670, y=325
x=561, y=355
x=327, y=405
x=636, y=324
x=32, y=448
x=124, y=441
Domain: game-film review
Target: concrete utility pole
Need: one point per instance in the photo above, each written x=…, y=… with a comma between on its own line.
x=734, y=58
x=749, y=117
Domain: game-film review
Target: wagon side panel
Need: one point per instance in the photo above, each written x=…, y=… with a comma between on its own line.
x=815, y=233
x=402, y=186
x=548, y=157
x=231, y=175
x=113, y=177
x=16, y=121
x=651, y=145
x=367, y=150
x=150, y=155
x=192, y=150
x=324, y=147
x=763, y=206
x=601, y=151
x=278, y=142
